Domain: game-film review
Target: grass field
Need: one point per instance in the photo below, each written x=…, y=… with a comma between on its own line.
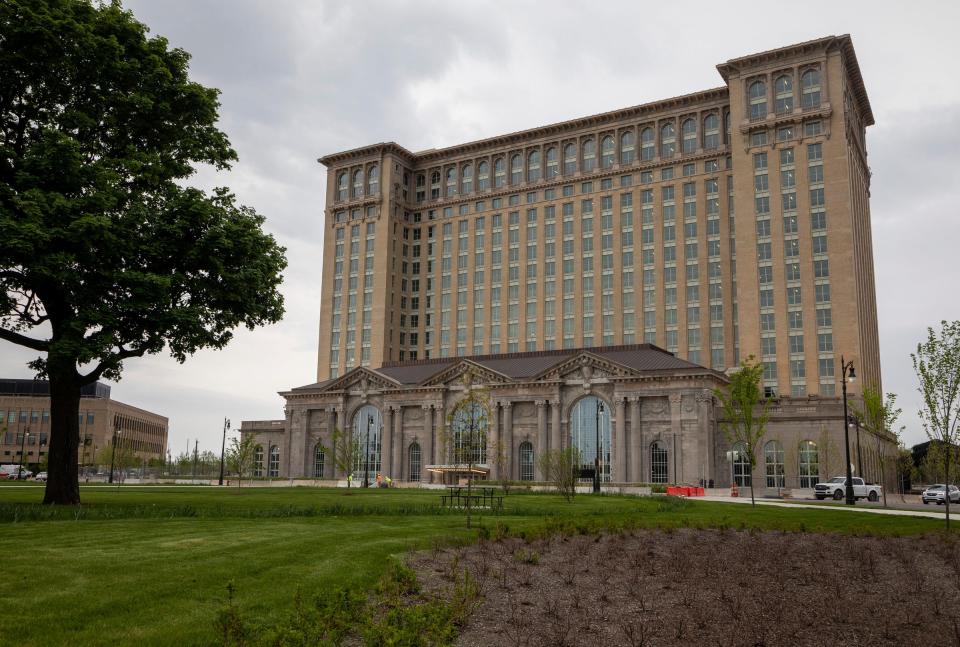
x=150, y=565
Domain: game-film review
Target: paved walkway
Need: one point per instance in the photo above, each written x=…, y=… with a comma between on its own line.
x=815, y=506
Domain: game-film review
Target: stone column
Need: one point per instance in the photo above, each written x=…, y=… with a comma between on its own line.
x=556, y=441
x=541, y=437
x=637, y=446
x=386, y=442
x=676, y=447
x=495, y=447
x=426, y=452
x=705, y=435
x=620, y=442
x=331, y=426
x=508, y=441
x=399, y=445
x=439, y=439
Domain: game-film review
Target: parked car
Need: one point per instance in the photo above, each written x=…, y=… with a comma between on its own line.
x=41, y=476
x=935, y=494
x=836, y=488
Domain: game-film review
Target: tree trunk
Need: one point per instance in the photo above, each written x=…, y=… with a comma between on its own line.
x=63, y=486
x=946, y=491
x=753, y=501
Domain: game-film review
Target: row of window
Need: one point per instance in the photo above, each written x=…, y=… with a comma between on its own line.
x=808, y=465
x=784, y=96
x=351, y=184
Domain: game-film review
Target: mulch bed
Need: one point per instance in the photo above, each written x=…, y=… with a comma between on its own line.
x=705, y=587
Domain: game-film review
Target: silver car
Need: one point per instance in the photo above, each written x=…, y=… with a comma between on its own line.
x=935, y=494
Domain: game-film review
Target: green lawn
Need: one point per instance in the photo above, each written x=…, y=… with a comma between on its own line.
x=150, y=565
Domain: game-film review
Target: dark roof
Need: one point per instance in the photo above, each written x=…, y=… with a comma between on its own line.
x=42, y=388
x=309, y=387
x=417, y=371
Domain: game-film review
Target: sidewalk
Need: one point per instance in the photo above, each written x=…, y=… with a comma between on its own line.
x=814, y=506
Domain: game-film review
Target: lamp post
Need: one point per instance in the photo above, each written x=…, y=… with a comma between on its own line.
x=596, y=459
x=846, y=371
x=23, y=442
x=223, y=446
x=366, y=460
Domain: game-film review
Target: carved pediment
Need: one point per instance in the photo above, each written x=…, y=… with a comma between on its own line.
x=586, y=367
x=466, y=373
x=363, y=380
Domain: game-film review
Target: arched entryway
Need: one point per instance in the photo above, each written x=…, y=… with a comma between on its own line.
x=590, y=419
x=367, y=425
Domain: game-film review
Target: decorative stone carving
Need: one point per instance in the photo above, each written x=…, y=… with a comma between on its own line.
x=675, y=398
x=688, y=404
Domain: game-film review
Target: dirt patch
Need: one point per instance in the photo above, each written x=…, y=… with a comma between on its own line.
x=705, y=587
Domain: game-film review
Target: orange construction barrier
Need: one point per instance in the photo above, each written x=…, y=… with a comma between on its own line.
x=733, y=490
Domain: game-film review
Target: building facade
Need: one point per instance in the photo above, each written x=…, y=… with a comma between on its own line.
x=25, y=423
x=627, y=259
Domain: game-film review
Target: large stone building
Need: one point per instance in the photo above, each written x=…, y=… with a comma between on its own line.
x=25, y=423
x=717, y=225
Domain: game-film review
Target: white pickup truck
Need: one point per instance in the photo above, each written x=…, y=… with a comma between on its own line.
x=836, y=488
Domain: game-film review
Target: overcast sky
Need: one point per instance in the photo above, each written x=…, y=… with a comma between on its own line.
x=303, y=79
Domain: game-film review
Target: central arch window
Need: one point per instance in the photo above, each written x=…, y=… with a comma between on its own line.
x=553, y=163
x=783, y=102
x=319, y=459
x=606, y=152
x=373, y=181
x=414, y=459
x=648, y=144
x=342, y=186
x=533, y=166
x=626, y=148
x=589, y=155
x=466, y=179
x=451, y=181
x=668, y=140
x=741, y=465
x=711, y=132
x=358, y=183
x=689, y=130
x=585, y=421
x=526, y=461
x=499, y=172
x=469, y=427
x=809, y=464
x=258, y=461
x=569, y=159
x=483, y=176
x=273, y=467
x=758, y=100
x=516, y=169
x=773, y=464
x=810, y=89
x=367, y=419
x=659, y=472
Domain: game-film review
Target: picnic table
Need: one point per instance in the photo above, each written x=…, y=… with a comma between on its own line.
x=456, y=496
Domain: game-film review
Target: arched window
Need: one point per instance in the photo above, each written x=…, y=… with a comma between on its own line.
x=626, y=148
x=451, y=181
x=668, y=140
x=689, y=130
x=810, y=88
x=553, y=163
x=435, y=185
x=526, y=461
x=373, y=180
x=711, y=132
x=273, y=469
x=358, y=183
x=421, y=187
x=783, y=87
x=588, y=417
x=516, y=170
x=773, y=464
x=648, y=144
x=466, y=179
x=367, y=426
x=499, y=172
x=569, y=159
x=258, y=459
x=727, y=128
x=483, y=176
x=758, y=100
x=589, y=156
x=606, y=152
x=414, y=462
x=342, y=186
x=533, y=166
x=469, y=429
x=659, y=472
x=809, y=464
x=319, y=459
x=741, y=465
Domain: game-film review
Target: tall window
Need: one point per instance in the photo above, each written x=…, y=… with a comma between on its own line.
x=273, y=469
x=606, y=152
x=373, y=180
x=483, y=176
x=569, y=159
x=784, y=100
x=773, y=462
x=658, y=462
x=741, y=465
x=668, y=140
x=435, y=185
x=318, y=462
x=258, y=461
x=626, y=148
x=810, y=89
x=758, y=100
x=451, y=181
x=358, y=183
x=589, y=155
x=553, y=163
x=809, y=464
x=499, y=172
x=533, y=166
x=711, y=132
x=466, y=179
x=516, y=169
x=342, y=184
x=526, y=461
x=585, y=421
x=367, y=427
x=689, y=130
x=421, y=187
x=469, y=434
x=647, y=144
x=414, y=460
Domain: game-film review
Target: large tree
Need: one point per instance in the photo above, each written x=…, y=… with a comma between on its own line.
x=937, y=365
x=105, y=253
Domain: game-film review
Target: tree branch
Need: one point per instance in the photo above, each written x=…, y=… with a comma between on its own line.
x=109, y=362
x=23, y=340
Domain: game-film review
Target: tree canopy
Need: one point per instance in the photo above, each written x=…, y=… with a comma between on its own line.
x=105, y=252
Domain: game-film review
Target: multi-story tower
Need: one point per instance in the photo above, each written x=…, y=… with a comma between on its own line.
x=720, y=224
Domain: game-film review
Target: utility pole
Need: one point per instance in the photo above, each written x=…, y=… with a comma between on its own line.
x=223, y=446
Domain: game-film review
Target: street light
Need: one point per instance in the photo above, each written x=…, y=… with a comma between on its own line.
x=596, y=459
x=847, y=374
x=366, y=460
x=23, y=442
x=223, y=446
